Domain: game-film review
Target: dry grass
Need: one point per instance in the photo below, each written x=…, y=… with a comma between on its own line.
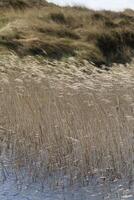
x=77, y=128
x=52, y=128
x=21, y=4
x=102, y=37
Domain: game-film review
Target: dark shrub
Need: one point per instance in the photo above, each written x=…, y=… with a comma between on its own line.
x=58, y=17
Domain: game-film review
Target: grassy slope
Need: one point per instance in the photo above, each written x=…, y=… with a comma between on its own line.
x=54, y=32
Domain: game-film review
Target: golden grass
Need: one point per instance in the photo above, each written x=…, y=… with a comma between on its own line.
x=49, y=127
x=102, y=37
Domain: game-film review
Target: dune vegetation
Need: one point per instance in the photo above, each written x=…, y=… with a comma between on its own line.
x=41, y=28
x=63, y=120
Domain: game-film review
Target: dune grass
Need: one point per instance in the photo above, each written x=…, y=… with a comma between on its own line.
x=103, y=37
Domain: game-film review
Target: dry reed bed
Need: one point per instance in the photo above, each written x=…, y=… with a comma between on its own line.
x=53, y=128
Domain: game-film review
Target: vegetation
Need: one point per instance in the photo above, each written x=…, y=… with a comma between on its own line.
x=21, y=4
x=57, y=124
x=51, y=129
x=103, y=37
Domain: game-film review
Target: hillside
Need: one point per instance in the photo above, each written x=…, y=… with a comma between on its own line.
x=101, y=37
x=21, y=4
